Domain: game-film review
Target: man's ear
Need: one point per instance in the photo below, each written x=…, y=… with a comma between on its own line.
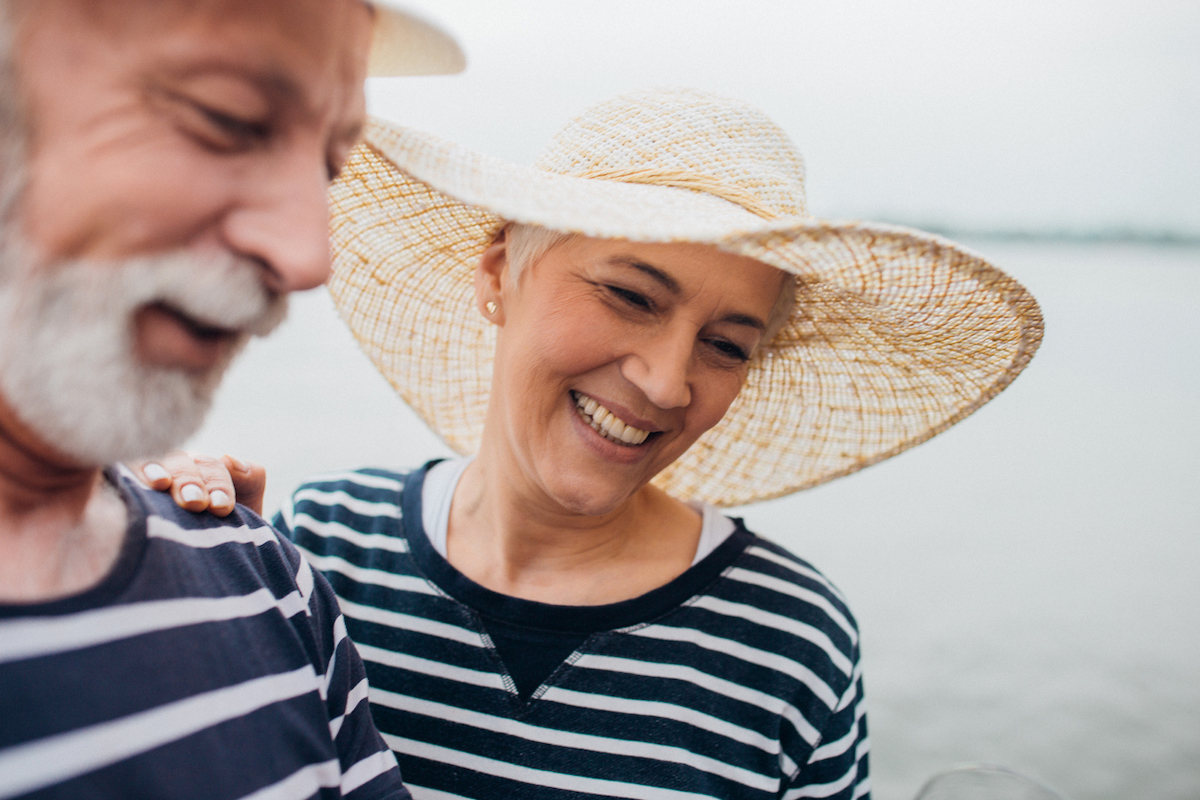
x=491, y=278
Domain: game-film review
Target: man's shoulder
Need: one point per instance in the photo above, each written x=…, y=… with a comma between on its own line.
x=242, y=541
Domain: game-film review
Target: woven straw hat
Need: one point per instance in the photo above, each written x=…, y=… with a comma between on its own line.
x=404, y=44
x=896, y=334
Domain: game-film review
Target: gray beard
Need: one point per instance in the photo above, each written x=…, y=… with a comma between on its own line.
x=68, y=368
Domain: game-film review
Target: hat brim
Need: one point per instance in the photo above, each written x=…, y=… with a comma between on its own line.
x=405, y=44
x=896, y=334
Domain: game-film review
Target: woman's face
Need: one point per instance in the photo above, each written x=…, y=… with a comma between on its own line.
x=614, y=357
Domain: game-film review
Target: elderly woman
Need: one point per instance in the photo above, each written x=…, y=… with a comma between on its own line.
x=643, y=326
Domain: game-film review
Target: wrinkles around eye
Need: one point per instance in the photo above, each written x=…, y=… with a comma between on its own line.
x=632, y=298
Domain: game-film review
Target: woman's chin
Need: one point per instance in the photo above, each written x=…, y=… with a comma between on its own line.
x=590, y=496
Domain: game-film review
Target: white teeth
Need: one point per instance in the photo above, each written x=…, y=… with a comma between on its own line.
x=607, y=424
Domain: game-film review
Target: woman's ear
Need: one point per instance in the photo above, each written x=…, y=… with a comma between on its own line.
x=491, y=275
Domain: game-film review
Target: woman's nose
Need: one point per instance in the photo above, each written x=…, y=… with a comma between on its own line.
x=660, y=369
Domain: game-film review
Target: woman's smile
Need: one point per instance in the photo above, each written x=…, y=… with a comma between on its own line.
x=606, y=423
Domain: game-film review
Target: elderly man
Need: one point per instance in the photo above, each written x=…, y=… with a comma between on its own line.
x=163, y=188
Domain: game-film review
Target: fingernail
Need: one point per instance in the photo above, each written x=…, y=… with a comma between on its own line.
x=191, y=493
x=236, y=463
x=155, y=472
x=218, y=498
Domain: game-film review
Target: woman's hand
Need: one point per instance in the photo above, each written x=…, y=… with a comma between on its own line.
x=205, y=483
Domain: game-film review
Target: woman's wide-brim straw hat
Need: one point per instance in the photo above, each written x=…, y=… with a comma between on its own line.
x=895, y=334
x=403, y=43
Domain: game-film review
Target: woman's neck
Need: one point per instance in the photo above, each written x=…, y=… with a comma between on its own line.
x=508, y=536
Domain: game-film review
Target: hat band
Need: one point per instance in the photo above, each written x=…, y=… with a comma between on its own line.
x=683, y=180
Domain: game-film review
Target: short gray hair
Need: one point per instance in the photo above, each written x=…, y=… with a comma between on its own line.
x=528, y=243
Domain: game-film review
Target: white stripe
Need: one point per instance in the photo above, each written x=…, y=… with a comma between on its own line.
x=752, y=655
x=370, y=481
x=799, y=569
x=353, y=698
x=204, y=538
x=425, y=793
x=577, y=741
x=368, y=769
x=395, y=619
x=824, y=789
x=336, y=530
x=781, y=623
x=305, y=582
x=302, y=784
x=862, y=789
x=424, y=666
x=31, y=637
x=787, y=766
x=837, y=747
x=851, y=691
x=365, y=508
x=536, y=777
x=735, y=691
x=375, y=577
x=54, y=759
x=339, y=633
x=658, y=709
x=798, y=592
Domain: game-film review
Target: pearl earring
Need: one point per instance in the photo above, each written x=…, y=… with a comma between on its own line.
x=490, y=306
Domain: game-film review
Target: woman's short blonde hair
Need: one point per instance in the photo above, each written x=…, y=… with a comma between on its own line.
x=528, y=243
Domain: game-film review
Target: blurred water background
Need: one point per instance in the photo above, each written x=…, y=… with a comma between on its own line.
x=1028, y=583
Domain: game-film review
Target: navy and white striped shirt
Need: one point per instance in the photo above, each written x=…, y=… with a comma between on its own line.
x=739, y=679
x=210, y=663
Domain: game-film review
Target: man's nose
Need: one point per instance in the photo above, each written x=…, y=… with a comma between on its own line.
x=660, y=368
x=283, y=222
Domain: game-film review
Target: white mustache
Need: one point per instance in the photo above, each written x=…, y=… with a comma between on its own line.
x=67, y=361
x=217, y=291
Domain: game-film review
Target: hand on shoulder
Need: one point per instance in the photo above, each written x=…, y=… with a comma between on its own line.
x=205, y=483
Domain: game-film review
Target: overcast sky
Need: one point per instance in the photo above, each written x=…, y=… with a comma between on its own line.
x=1080, y=115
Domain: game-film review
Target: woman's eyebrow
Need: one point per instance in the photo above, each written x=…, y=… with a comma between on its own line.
x=668, y=283
x=747, y=320
x=672, y=286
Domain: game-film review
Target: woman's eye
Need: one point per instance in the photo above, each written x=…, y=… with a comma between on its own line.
x=631, y=297
x=728, y=348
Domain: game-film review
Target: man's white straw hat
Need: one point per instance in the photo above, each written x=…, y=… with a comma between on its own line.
x=405, y=44
x=896, y=334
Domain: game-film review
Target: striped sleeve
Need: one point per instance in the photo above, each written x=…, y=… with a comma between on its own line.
x=368, y=767
x=838, y=766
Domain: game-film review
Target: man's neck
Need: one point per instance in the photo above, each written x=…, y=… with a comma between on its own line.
x=61, y=529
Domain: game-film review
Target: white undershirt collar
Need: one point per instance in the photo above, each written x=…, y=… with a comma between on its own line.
x=442, y=479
